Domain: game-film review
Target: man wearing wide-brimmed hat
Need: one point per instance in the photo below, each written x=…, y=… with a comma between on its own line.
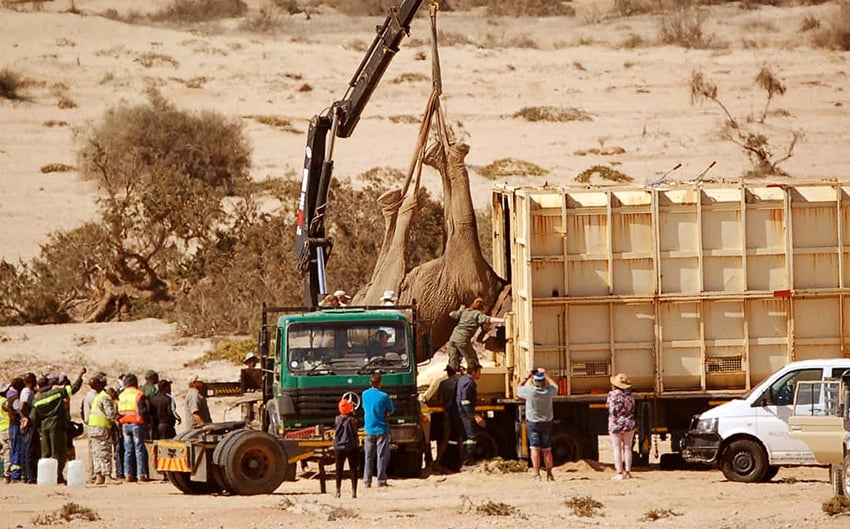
x=621, y=424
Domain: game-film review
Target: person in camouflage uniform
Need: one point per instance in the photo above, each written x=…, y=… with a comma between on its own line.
x=101, y=416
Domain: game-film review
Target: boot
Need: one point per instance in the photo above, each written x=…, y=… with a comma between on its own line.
x=338, y=492
x=99, y=479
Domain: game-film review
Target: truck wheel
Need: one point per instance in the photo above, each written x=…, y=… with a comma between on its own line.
x=486, y=446
x=183, y=481
x=565, y=447
x=410, y=463
x=744, y=460
x=252, y=462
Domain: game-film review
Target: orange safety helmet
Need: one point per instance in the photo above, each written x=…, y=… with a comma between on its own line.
x=345, y=406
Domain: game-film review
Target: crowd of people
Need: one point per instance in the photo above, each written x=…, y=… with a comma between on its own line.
x=36, y=421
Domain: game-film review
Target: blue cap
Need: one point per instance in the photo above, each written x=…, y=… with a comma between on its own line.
x=539, y=377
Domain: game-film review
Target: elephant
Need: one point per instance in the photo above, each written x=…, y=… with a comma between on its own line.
x=455, y=278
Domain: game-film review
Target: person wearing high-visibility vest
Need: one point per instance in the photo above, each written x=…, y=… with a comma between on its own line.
x=100, y=417
x=133, y=411
x=5, y=440
x=51, y=417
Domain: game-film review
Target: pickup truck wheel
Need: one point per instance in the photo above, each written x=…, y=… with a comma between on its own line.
x=252, y=462
x=745, y=461
x=770, y=473
x=844, y=476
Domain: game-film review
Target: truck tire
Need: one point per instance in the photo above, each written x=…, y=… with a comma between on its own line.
x=251, y=462
x=183, y=481
x=565, y=447
x=486, y=446
x=844, y=476
x=770, y=473
x=744, y=461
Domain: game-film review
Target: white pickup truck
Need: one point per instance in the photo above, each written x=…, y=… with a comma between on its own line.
x=825, y=430
x=748, y=438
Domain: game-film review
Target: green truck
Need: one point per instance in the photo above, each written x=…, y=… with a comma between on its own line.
x=310, y=358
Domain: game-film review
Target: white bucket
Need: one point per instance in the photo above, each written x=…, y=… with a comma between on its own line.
x=47, y=469
x=76, y=473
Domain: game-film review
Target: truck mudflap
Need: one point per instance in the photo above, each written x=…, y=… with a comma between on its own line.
x=172, y=456
x=701, y=447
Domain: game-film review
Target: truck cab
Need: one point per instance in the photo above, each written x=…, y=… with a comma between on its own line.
x=824, y=425
x=748, y=438
x=320, y=356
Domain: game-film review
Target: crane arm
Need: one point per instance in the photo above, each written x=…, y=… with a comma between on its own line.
x=312, y=246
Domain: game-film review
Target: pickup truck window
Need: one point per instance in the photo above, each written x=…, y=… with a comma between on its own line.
x=781, y=392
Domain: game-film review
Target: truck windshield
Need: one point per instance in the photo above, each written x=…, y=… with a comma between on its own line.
x=346, y=348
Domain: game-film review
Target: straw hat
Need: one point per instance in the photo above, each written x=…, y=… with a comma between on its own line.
x=620, y=380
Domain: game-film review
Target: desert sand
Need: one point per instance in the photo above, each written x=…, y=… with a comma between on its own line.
x=639, y=100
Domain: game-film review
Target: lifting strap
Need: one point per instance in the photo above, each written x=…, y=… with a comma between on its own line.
x=432, y=108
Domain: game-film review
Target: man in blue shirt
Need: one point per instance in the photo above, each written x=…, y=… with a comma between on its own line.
x=377, y=407
x=538, y=418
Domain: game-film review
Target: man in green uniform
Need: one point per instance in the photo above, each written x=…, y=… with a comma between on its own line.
x=460, y=343
x=50, y=415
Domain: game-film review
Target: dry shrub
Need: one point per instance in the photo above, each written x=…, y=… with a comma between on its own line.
x=836, y=506
x=341, y=513
x=405, y=119
x=501, y=40
x=196, y=82
x=585, y=506
x=383, y=175
x=497, y=465
x=656, y=514
x=10, y=85
x=361, y=7
x=486, y=508
x=530, y=8
x=150, y=59
x=837, y=36
x=627, y=8
x=410, y=78
x=57, y=168
x=65, y=43
x=199, y=10
x=67, y=513
x=54, y=123
x=553, y=114
x=65, y=102
x=233, y=351
x=276, y=122
x=269, y=19
x=507, y=167
x=684, y=27
x=632, y=41
x=603, y=172
x=809, y=23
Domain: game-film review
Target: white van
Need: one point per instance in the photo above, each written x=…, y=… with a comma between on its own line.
x=748, y=438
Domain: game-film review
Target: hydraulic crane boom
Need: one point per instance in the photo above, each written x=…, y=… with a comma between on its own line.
x=311, y=244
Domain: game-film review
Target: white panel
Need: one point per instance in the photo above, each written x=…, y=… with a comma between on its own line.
x=634, y=277
x=817, y=318
x=588, y=324
x=723, y=274
x=680, y=276
x=548, y=279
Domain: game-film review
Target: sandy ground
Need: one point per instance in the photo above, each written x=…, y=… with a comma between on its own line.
x=638, y=98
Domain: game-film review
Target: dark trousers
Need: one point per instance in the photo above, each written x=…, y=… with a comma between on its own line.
x=165, y=431
x=29, y=453
x=118, y=448
x=54, y=443
x=15, y=453
x=352, y=456
x=470, y=438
